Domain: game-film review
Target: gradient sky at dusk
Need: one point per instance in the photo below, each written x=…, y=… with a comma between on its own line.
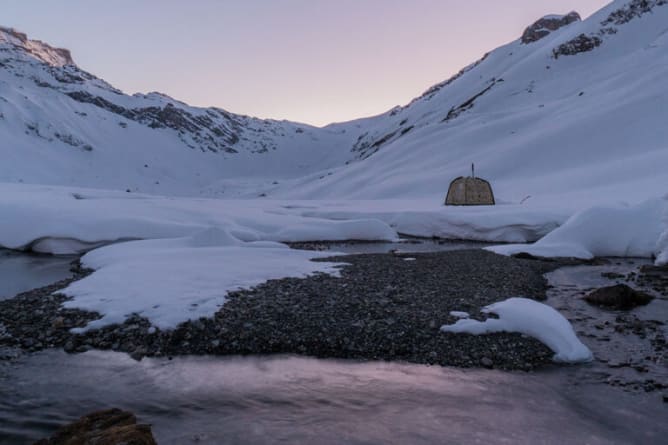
x=304, y=60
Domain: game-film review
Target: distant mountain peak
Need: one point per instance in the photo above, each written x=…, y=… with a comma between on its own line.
x=13, y=39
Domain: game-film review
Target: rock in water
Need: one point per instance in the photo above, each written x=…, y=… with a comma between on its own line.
x=619, y=296
x=107, y=427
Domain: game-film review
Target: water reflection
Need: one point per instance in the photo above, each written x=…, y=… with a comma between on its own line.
x=301, y=400
x=20, y=272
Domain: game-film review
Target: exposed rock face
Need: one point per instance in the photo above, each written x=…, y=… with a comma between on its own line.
x=619, y=296
x=205, y=129
x=546, y=25
x=581, y=44
x=40, y=50
x=216, y=130
x=108, y=427
x=587, y=42
x=631, y=10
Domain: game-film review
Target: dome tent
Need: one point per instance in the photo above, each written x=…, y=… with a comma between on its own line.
x=469, y=191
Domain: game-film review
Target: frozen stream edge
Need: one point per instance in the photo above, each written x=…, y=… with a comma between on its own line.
x=263, y=399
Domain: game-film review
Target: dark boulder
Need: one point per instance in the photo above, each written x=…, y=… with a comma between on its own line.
x=619, y=296
x=107, y=427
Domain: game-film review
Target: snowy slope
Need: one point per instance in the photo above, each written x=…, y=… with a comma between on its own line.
x=62, y=125
x=577, y=116
x=576, y=129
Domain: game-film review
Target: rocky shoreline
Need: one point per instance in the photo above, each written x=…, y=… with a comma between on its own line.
x=382, y=307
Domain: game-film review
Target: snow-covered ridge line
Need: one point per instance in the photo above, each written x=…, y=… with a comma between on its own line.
x=555, y=130
x=62, y=125
x=587, y=42
x=41, y=51
x=632, y=10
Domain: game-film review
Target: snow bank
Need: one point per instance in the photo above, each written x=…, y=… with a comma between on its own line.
x=358, y=229
x=662, y=244
x=662, y=248
x=532, y=318
x=428, y=218
x=634, y=231
x=74, y=220
x=171, y=281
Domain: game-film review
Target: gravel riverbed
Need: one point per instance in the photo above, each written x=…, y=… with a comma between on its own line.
x=382, y=307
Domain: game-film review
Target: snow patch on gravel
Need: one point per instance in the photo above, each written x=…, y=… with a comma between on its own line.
x=531, y=318
x=459, y=314
x=170, y=281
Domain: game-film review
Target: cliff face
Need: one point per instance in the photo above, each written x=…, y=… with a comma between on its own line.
x=39, y=50
x=546, y=25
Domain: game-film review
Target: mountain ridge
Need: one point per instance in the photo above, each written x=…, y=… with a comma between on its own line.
x=156, y=136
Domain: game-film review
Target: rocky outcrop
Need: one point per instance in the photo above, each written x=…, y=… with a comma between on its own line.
x=38, y=49
x=581, y=44
x=470, y=102
x=587, y=42
x=205, y=129
x=548, y=24
x=619, y=296
x=632, y=10
x=108, y=427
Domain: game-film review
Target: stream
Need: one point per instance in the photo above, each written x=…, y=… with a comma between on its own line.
x=20, y=272
x=290, y=399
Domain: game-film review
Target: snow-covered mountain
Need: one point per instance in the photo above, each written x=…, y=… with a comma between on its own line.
x=577, y=109
x=573, y=108
x=62, y=125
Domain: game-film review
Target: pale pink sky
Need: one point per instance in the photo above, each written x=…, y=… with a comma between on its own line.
x=313, y=61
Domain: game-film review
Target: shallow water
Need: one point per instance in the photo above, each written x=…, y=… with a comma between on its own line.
x=20, y=272
x=286, y=399
x=624, y=359
x=301, y=400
